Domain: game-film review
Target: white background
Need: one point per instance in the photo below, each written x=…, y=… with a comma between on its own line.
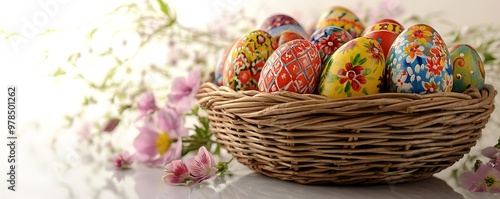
x=43, y=101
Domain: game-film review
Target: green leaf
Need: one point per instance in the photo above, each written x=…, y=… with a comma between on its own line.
x=355, y=60
x=347, y=87
x=362, y=61
x=367, y=71
x=91, y=34
x=331, y=78
x=364, y=91
x=338, y=89
x=370, y=78
x=163, y=7
x=349, y=94
x=59, y=72
x=488, y=57
x=217, y=149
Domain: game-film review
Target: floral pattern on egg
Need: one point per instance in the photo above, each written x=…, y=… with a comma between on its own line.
x=328, y=39
x=355, y=69
x=419, y=62
x=245, y=61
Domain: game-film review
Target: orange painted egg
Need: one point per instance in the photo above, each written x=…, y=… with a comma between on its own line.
x=287, y=36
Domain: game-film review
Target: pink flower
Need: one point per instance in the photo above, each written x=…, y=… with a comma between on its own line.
x=494, y=154
x=146, y=104
x=176, y=172
x=158, y=142
x=123, y=160
x=110, y=125
x=83, y=132
x=202, y=166
x=183, y=91
x=485, y=179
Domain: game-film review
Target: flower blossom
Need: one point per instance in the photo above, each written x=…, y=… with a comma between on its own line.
x=183, y=91
x=110, y=125
x=202, y=166
x=485, y=179
x=123, y=160
x=494, y=155
x=176, y=172
x=146, y=104
x=158, y=142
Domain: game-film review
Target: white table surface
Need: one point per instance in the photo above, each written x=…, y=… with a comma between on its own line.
x=42, y=175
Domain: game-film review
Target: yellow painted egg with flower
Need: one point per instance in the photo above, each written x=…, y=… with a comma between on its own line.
x=245, y=61
x=357, y=68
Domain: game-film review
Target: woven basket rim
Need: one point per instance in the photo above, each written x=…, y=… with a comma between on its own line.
x=249, y=93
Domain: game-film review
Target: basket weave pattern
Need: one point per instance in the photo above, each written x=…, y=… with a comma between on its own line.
x=381, y=138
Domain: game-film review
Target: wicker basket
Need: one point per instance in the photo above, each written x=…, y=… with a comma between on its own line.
x=381, y=138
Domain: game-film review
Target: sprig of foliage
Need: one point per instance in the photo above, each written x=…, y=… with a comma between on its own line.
x=125, y=76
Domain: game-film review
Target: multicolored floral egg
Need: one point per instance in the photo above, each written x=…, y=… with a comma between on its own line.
x=277, y=24
x=219, y=68
x=328, y=39
x=295, y=66
x=342, y=18
x=385, y=32
x=419, y=62
x=356, y=69
x=246, y=59
x=287, y=36
x=468, y=69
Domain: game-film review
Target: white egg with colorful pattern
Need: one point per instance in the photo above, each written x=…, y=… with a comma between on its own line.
x=419, y=62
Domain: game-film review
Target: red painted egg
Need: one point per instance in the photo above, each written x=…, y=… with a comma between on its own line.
x=385, y=32
x=295, y=66
x=287, y=36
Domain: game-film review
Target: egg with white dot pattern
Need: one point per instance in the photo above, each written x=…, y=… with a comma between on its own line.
x=468, y=68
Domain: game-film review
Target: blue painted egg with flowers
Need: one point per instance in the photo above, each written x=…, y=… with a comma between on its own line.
x=419, y=62
x=328, y=39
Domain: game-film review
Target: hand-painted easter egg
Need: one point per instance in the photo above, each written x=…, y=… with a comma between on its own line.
x=295, y=66
x=275, y=25
x=219, y=68
x=355, y=69
x=342, y=18
x=328, y=39
x=287, y=36
x=385, y=32
x=419, y=62
x=246, y=59
x=468, y=69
